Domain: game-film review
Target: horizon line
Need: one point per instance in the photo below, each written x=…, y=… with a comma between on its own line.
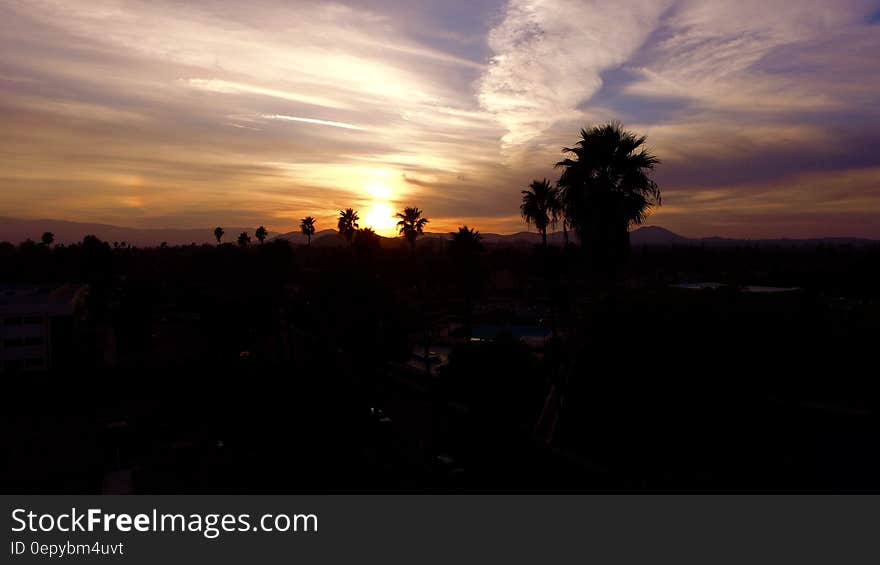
x=525, y=231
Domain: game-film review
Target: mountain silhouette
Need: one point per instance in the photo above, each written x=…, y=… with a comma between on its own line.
x=655, y=235
x=16, y=230
x=296, y=237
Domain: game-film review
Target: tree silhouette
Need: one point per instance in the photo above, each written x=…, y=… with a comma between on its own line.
x=366, y=240
x=465, y=242
x=218, y=234
x=244, y=239
x=347, y=224
x=540, y=206
x=464, y=248
x=411, y=225
x=97, y=259
x=557, y=215
x=606, y=187
x=564, y=230
x=307, y=227
x=48, y=238
x=261, y=234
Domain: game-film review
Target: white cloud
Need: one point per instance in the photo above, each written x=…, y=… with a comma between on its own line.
x=710, y=52
x=228, y=87
x=549, y=56
x=311, y=121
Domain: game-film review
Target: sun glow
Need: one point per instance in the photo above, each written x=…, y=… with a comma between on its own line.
x=380, y=215
x=378, y=190
x=380, y=218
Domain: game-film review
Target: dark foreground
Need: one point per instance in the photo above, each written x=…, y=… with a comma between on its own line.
x=280, y=369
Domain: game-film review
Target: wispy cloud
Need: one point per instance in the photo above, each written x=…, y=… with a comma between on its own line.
x=549, y=56
x=311, y=121
x=228, y=87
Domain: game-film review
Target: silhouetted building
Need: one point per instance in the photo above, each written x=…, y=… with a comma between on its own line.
x=38, y=325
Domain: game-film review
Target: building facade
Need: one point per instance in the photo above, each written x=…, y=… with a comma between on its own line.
x=37, y=326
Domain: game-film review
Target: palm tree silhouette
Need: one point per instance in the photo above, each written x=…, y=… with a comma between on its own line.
x=557, y=214
x=411, y=225
x=218, y=234
x=606, y=187
x=564, y=229
x=347, y=224
x=48, y=238
x=261, y=234
x=244, y=239
x=307, y=227
x=540, y=206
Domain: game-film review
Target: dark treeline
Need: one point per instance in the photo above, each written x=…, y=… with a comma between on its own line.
x=277, y=347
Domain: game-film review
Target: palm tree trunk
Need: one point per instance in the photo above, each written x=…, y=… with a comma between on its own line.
x=468, y=317
x=544, y=237
x=545, y=428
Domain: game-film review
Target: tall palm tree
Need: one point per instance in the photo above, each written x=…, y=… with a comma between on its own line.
x=607, y=187
x=307, y=227
x=539, y=206
x=557, y=214
x=218, y=234
x=411, y=225
x=347, y=224
x=244, y=239
x=261, y=234
x=48, y=238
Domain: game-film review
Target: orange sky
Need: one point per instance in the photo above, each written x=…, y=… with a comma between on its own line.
x=162, y=113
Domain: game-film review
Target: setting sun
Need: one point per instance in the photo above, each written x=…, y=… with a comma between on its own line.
x=380, y=218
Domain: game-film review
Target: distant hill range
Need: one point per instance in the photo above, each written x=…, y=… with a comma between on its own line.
x=655, y=235
x=17, y=230
x=646, y=235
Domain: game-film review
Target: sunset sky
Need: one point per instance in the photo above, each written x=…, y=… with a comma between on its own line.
x=160, y=113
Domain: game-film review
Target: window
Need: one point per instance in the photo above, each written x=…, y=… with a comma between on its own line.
x=34, y=363
x=39, y=340
x=32, y=320
x=12, y=342
x=14, y=321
